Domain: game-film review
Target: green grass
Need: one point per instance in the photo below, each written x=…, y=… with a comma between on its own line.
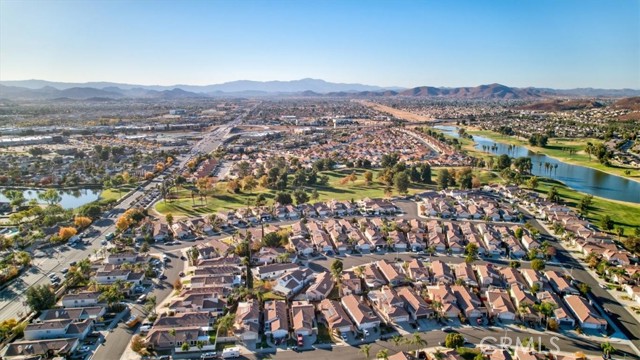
x=269, y=295
x=222, y=199
x=557, y=148
x=623, y=214
x=467, y=353
x=113, y=194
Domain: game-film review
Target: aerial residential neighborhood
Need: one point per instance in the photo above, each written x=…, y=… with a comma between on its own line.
x=319, y=180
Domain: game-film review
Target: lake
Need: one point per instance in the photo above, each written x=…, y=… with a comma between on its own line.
x=583, y=179
x=71, y=198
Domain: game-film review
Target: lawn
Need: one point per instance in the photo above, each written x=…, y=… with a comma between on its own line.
x=113, y=194
x=222, y=199
x=557, y=148
x=623, y=214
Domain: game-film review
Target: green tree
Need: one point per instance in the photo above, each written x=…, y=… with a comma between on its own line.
x=606, y=222
x=336, y=268
x=454, y=341
x=283, y=198
x=538, y=264
x=185, y=346
x=533, y=182
x=301, y=196
x=15, y=197
x=368, y=177
x=584, y=289
x=443, y=179
x=553, y=194
x=40, y=297
x=418, y=341
x=401, y=181
x=50, y=196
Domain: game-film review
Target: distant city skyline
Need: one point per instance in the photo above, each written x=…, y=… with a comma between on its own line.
x=547, y=43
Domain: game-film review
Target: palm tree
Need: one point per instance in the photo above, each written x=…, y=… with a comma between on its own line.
x=418, y=341
x=607, y=348
x=365, y=350
x=397, y=339
x=383, y=354
x=437, y=306
x=359, y=271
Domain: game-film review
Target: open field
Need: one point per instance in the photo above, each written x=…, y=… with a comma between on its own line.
x=557, y=149
x=623, y=214
x=400, y=114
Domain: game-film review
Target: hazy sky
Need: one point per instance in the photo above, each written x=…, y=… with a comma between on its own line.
x=554, y=43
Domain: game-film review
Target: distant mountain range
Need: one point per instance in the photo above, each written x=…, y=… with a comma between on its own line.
x=45, y=90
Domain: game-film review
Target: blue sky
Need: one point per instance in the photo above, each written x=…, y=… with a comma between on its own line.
x=554, y=43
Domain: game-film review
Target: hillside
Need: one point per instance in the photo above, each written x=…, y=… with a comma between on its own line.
x=562, y=105
x=492, y=91
x=632, y=103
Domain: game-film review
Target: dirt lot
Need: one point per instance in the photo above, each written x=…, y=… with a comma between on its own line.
x=401, y=114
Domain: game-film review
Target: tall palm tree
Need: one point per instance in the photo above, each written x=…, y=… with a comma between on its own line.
x=365, y=350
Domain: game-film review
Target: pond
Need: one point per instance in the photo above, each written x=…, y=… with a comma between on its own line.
x=71, y=198
x=580, y=178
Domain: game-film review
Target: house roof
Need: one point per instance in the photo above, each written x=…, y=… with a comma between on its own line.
x=302, y=314
x=583, y=310
x=358, y=311
x=188, y=319
x=277, y=314
x=334, y=314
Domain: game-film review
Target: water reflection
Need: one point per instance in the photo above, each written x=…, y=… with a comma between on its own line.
x=577, y=177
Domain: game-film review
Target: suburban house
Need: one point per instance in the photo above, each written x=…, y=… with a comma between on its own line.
x=464, y=272
x=488, y=276
x=290, y=284
x=40, y=349
x=57, y=329
x=121, y=258
x=335, y=317
x=351, y=284
x=468, y=302
x=321, y=287
x=512, y=277
x=75, y=314
x=362, y=315
x=499, y=305
x=302, y=318
x=588, y=317
x=390, y=272
x=273, y=271
x=373, y=278
x=559, y=284
x=276, y=322
x=443, y=300
x=83, y=299
x=414, y=303
x=247, y=322
x=417, y=271
x=561, y=314
x=533, y=277
x=441, y=272
x=389, y=305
